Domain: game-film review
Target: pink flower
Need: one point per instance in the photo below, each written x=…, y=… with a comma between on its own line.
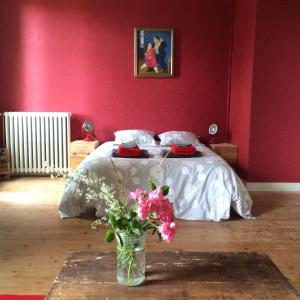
x=139, y=195
x=135, y=195
x=147, y=203
x=167, y=230
x=156, y=208
x=146, y=206
x=142, y=212
x=157, y=194
x=165, y=212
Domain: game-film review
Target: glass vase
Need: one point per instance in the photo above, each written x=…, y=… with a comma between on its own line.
x=130, y=259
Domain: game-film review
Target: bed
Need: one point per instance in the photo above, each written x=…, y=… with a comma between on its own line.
x=201, y=188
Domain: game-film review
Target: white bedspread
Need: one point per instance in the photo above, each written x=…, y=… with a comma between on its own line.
x=201, y=188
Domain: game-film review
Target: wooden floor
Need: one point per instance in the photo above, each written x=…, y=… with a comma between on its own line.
x=34, y=242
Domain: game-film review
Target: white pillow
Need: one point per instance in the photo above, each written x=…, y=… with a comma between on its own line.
x=178, y=137
x=138, y=136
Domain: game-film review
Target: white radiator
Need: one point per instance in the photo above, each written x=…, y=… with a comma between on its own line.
x=38, y=141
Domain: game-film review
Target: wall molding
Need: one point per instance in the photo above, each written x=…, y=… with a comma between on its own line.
x=273, y=186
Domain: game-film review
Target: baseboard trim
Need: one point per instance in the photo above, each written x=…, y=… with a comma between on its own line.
x=273, y=186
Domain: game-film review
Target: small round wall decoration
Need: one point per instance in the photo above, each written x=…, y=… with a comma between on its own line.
x=213, y=129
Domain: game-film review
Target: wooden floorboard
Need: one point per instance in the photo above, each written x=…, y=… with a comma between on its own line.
x=34, y=242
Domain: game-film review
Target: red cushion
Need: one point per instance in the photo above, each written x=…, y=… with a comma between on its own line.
x=181, y=150
x=136, y=151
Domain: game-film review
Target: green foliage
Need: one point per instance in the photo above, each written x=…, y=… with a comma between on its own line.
x=165, y=190
x=152, y=186
x=109, y=235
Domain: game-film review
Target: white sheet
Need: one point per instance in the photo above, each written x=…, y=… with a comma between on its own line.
x=201, y=188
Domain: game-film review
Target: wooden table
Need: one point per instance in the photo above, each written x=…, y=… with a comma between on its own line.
x=174, y=275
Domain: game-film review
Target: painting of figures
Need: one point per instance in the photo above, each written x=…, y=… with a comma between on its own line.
x=153, y=52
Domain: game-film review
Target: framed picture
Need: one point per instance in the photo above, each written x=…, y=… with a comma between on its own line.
x=153, y=52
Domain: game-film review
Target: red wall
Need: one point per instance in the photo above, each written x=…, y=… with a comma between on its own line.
x=61, y=55
x=78, y=56
x=275, y=124
x=264, y=92
x=241, y=80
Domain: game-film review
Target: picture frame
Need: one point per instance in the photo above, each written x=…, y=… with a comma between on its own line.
x=153, y=52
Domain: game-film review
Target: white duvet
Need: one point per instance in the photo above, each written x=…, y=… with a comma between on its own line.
x=201, y=188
